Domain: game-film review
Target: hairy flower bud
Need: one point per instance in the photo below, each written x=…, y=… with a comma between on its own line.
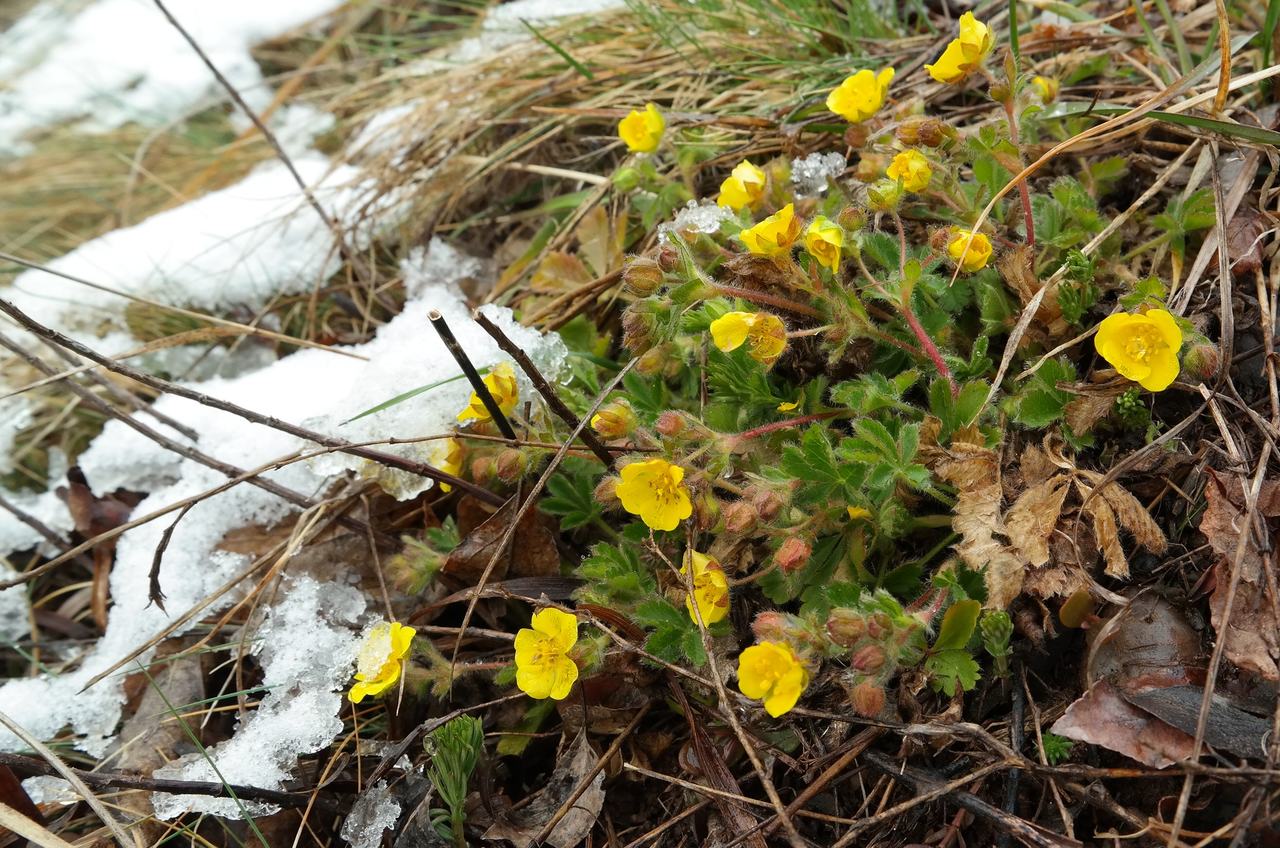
x=606, y=492
x=481, y=468
x=884, y=195
x=1203, y=360
x=868, y=659
x=793, y=554
x=642, y=276
x=879, y=625
x=706, y=510
x=767, y=504
x=845, y=627
x=939, y=240
x=614, y=420
x=739, y=517
x=639, y=326
x=511, y=465
x=670, y=423
x=925, y=132
x=855, y=136
x=668, y=258
x=852, y=219
x=626, y=178
x=772, y=626
x=653, y=361
x=867, y=699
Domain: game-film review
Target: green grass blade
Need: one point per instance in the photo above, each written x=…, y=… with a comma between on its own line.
x=404, y=396
x=1244, y=132
x=560, y=51
x=1269, y=31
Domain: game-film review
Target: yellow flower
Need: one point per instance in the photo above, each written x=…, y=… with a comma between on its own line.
x=858, y=513
x=501, y=381
x=774, y=235
x=447, y=456
x=543, y=667
x=710, y=588
x=974, y=257
x=1143, y=348
x=771, y=672
x=963, y=55
x=860, y=96
x=615, y=420
x=911, y=169
x=642, y=130
x=823, y=239
x=1046, y=88
x=381, y=659
x=764, y=334
x=655, y=491
x=789, y=405
x=743, y=187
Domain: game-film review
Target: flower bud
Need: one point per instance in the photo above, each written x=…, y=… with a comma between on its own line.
x=999, y=92
x=706, y=510
x=668, y=259
x=511, y=465
x=884, y=195
x=614, y=420
x=767, y=504
x=869, y=167
x=481, y=468
x=642, y=276
x=670, y=423
x=653, y=361
x=639, y=326
x=1203, y=360
x=939, y=240
x=606, y=492
x=739, y=517
x=793, y=554
x=852, y=219
x=879, y=625
x=868, y=659
x=867, y=699
x=1045, y=89
x=626, y=179
x=772, y=626
x=855, y=136
x=845, y=627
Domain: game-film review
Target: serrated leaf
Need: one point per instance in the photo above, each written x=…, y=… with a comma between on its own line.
x=951, y=670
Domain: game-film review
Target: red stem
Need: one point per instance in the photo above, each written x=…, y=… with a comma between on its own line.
x=930, y=349
x=774, y=426
x=770, y=299
x=1023, y=192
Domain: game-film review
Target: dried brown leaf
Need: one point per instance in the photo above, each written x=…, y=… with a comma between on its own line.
x=1253, y=634
x=1036, y=466
x=1133, y=516
x=1033, y=516
x=975, y=472
x=1101, y=717
x=1085, y=411
x=1107, y=531
x=1244, y=247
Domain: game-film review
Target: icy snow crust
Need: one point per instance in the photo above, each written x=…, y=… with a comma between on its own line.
x=120, y=61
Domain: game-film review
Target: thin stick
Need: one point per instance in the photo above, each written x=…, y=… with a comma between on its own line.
x=473, y=376
x=70, y=776
x=348, y=254
x=161, y=385
x=29, y=766
x=544, y=388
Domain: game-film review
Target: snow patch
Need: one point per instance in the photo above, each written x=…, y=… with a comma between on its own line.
x=809, y=174
x=695, y=217
x=120, y=61
x=374, y=812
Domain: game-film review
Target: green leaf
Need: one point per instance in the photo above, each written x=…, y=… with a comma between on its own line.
x=957, y=625
x=1041, y=402
x=648, y=397
x=951, y=670
x=873, y=391
x=674, y=637
x=571, y=494
x=613, y=576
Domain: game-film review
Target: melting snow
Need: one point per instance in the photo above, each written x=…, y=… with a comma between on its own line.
x=809, y=175
x=120, y=61
x=695, y=217
x=374, y=812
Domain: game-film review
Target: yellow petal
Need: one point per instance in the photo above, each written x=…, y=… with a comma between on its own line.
x=754, y=666
x=564, y=673
x=1163, y=371
x=950, y=65
x=401, y=639
x=535, y=682
x=560, y=628
x=1167, y=326
x=1109, y=328
x=1133, y=369
x=730, y=330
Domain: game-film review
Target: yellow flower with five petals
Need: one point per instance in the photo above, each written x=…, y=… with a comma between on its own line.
x=774, y=235
x=824, y=239
x=771, y=672
x=970, y=250
x=964, y=54
x=710, y=588
x=642, y=131
x=543, y=666
x=1143, y=348
x=381, y=659
x=501, y=382
x=764, y=334
x=743, y=187
x=655, y=491
x=911, y=168
x=860, y=95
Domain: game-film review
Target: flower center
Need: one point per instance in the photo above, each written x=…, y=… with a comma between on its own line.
x=1142, y=343
x=663, y=488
